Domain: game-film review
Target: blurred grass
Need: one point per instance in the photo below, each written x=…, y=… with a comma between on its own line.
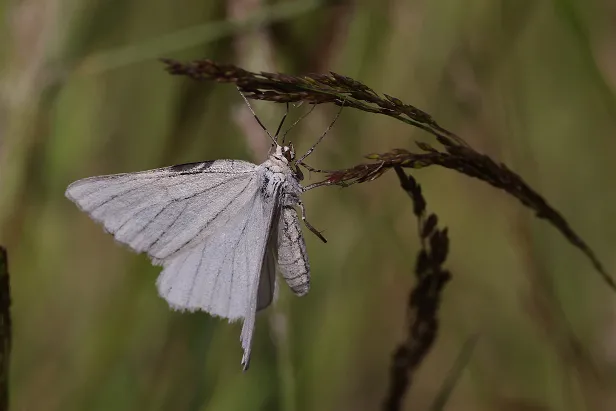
x=521, y=81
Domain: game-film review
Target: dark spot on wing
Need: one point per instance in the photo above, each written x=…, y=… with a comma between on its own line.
x=264, y=184
x=200, y=165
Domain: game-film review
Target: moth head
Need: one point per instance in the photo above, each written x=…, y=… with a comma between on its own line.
x=288, y=152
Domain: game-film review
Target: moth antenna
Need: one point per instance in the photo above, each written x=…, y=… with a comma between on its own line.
x=286, y=113
x=257, y=118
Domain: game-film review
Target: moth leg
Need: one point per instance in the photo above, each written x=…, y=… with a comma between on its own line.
x=310, y=227
x=315, y=170
x=284, y=136
x=302, y=158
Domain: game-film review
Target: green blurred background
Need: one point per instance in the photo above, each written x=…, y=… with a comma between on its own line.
x=531, y=83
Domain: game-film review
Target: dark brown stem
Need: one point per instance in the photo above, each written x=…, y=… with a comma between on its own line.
x=424, y=298
x=342, y=90
x=5, y=329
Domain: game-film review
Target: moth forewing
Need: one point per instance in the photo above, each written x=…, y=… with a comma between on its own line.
x=162, y=211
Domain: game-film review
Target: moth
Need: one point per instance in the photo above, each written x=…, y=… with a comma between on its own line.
x=220, y=229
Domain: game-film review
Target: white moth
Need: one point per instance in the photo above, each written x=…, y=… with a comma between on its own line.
x=219, y=229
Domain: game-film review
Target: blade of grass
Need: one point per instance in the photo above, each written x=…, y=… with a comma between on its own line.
x=193, y=36
x=454, y=375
